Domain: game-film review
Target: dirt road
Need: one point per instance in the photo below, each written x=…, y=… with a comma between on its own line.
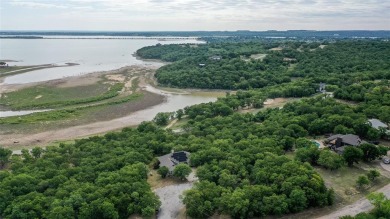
x=362, y=205
x=170, y=197
x=170, y=200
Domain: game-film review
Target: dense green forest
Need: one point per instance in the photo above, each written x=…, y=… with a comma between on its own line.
x=339, y=64
x=240, y=158
x=240, y=161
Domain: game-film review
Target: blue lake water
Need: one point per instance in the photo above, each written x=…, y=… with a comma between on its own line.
x=91, y=55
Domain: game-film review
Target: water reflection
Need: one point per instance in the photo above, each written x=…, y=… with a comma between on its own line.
x=19, y=113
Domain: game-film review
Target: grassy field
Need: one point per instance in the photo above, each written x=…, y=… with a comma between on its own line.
x=179, y=124
x=46, y=96
x=343, y=181
x=76, y=101
x=82, y=113
x=40, y=122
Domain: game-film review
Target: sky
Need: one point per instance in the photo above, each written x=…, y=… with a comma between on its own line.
x=193, y=15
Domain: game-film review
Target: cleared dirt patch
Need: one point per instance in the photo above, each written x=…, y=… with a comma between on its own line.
x=79, y=81
x=119, y=78
x=171, y=204
x=258, y=56
x=276, y=49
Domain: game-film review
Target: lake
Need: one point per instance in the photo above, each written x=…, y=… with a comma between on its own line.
x=91, y=55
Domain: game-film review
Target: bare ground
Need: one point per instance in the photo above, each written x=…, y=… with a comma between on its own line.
x=79, y=131
x=362, y=205
x=128, y=117
x=171, y=204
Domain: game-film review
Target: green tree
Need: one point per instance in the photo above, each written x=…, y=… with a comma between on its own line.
x=5, y=154
x=373, y=134
x=309, y=154
x=382, y=150
x=26, y=155
x=303, y=142
x=162, y=119
x=61, y=212
x=352, y=155
x=362, y=181
x=202, y=199
x=179, y=114
x=236, y=203
x=340, y=129
x=381, y=203
x=373, y=174
x=163, y=171
x=298, y=200
x=37, y=152
x=370, y=152
x=330, y=160
x=182, y=171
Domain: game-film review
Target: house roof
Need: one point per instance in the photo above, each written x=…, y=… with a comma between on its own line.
x=340, y=150
x=376, y=123
x=351, y=139
x=172, y=159
x=180, y=156
x=216, y=57
x=333, y=137
x=347, y=139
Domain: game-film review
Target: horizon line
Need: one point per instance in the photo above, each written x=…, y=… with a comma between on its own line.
x=192, y=30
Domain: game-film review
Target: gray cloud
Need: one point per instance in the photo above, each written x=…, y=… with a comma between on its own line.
x=207, y=15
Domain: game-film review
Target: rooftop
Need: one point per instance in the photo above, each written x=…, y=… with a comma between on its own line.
x=172, y=159
x=349, y=139
x=376, y=123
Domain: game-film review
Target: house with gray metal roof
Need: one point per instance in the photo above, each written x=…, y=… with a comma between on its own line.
x=174, y=158
x=377, y=124
x=339, y=142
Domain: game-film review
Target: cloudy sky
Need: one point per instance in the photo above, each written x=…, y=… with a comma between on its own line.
x=158, y=15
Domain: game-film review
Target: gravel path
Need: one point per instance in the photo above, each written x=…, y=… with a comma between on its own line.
x=170, y=200
x=170, y=197
x=362, y=205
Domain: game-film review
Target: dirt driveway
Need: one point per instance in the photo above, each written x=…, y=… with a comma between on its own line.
x=170, y=197
x=170, y=200
x=362, y=205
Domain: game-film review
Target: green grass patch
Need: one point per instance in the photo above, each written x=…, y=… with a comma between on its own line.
x=343, y=181
x=41, y=97
x=180, y=123
x=41, y=116
x=65, y=114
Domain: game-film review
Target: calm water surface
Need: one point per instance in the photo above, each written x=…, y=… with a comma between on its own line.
x=92, y=55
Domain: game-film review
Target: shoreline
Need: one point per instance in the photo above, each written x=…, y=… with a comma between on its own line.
x=30, y=68
x=133, y=114
x=82, y=130
x=13, y=87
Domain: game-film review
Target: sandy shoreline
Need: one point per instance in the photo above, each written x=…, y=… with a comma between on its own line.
x=132, y=114
x=85, y=130
x=70, y=79
x=149, y=99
